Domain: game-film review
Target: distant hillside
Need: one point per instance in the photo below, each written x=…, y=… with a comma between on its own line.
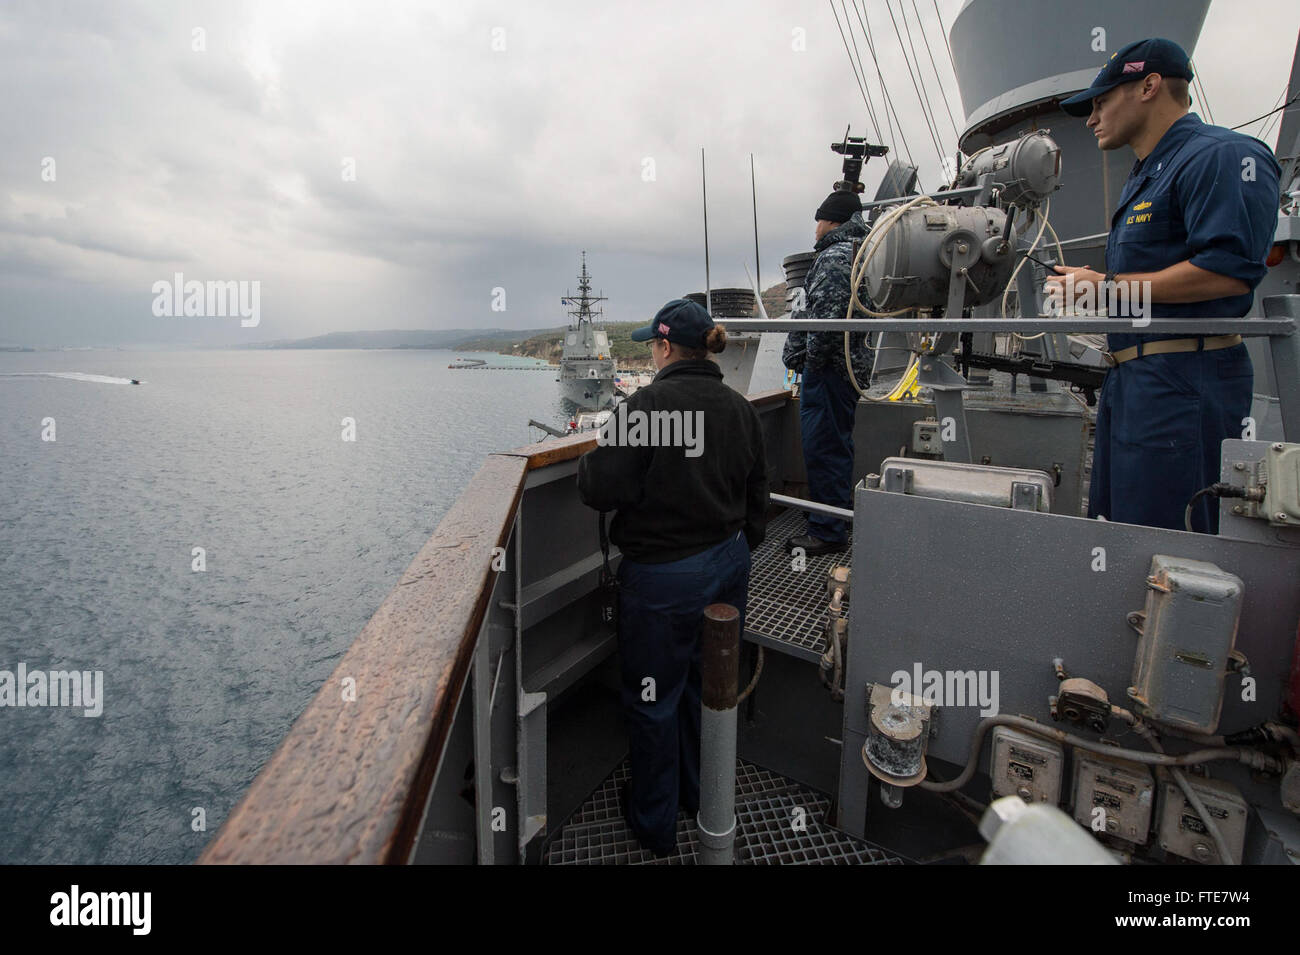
x=545, y=343
x=774, y=300
x=549, y=344
x=512, y=343
x=397, y=338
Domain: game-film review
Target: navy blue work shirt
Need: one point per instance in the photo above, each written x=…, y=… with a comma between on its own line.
x=1193, y=199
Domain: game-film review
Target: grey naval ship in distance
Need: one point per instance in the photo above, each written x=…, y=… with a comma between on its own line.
x=586, y=366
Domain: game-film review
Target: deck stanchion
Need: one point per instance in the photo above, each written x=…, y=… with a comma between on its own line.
x=719, y=673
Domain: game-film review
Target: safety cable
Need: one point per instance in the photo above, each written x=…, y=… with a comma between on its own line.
x=944, y=33
x=1275, y=121
x=942, y=92
x=865, y=23
x=866, y=80
x=1200, y=87
x=923, y=98
x=855, y=66
x=927, y=108
x=1289, y=102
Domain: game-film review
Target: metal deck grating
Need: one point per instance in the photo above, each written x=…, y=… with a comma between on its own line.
x=602, y=805
x=766, y=806
x=786, y=606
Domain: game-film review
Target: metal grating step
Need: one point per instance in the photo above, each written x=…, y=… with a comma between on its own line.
x=767, y=837
x=612, y=843
x=602, y=805
x=766, y=808
x=788, y=607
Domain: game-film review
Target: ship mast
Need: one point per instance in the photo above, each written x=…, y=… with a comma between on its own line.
x=582, y=303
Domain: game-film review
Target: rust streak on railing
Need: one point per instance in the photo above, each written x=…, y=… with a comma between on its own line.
x=350, y=781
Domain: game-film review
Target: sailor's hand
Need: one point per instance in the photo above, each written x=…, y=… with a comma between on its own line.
x=1072, y=282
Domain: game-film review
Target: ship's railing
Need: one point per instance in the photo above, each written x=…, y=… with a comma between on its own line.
x=353, y=779
x=1278, y=326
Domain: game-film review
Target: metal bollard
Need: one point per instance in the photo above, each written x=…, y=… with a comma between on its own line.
x=719, y=674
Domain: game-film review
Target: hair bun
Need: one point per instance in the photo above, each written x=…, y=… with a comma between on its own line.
x=715, y=339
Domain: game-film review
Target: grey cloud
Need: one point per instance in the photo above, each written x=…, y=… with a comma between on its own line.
x=475, y=169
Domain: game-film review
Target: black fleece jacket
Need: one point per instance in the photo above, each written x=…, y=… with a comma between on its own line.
x=676, y=501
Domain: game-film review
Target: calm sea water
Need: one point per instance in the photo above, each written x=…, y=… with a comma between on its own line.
x=240, y=453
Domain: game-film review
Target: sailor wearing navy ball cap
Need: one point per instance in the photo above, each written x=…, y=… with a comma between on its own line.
x=687, y=514
x=1195, y=220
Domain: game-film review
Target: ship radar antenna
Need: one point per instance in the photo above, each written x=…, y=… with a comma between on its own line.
x=582, y=307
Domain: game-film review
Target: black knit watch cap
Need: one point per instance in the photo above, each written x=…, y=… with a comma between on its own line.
x=838, y=207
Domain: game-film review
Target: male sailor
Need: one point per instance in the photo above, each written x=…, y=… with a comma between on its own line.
x=1195, y=220
x=827, y=398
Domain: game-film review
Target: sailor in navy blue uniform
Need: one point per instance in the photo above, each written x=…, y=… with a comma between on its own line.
x=687, y=517
x=1196, y=220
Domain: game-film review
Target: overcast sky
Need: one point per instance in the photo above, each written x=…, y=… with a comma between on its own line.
x=490, y=142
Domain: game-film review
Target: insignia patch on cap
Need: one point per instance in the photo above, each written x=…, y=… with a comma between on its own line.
x=663, y=329
x=1135, y=66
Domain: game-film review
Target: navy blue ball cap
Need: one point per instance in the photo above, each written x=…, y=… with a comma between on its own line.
x=1133, y=62
x=679, y=321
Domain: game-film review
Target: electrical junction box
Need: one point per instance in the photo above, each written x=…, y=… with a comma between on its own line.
x=1186, y=635
x=925, y=437
x=1183, y=833
x=1123, y=791
x=1026, y=766
x=973, y=483
x=1282, y=490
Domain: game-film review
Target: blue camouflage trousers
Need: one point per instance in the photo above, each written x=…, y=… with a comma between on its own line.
x=827, y=402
